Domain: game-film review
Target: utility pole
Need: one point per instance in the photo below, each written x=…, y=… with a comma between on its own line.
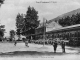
x=44, y=28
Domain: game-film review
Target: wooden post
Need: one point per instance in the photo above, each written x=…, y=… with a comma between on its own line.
x=44, y=28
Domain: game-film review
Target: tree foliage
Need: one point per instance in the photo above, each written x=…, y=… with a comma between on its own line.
x=1, y=2
x=67, y=21
x=2, y=30
x=19, y=23
x=31, y=20
x=1, y=33
x=12, y=34
x=28, y=23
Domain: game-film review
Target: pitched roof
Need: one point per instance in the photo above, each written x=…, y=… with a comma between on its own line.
x=68, y=27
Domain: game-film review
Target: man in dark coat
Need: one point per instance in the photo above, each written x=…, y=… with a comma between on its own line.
x=55, y=45
x=63, y=46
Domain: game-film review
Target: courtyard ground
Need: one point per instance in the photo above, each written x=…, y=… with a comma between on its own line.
x=37, y=52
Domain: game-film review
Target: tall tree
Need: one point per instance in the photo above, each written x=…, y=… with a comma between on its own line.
x=12, y=34
x=2, y=31
x=19, y=23
x=31, y=20
x=28, y=23
x=1, y=26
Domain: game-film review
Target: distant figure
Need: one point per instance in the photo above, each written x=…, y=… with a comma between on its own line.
x=63, y=46
x=15, y=39
x=23, y=39
x=26, y=43
x=55, y=45
x=15, y=42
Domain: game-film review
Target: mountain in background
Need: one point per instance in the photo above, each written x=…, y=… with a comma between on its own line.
x=65, y=15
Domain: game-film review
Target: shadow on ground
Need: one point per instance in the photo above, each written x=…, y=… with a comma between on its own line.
x=30, y=53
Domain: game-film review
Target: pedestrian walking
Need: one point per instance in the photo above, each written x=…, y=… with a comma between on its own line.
x=55, y=45
x=63, y=46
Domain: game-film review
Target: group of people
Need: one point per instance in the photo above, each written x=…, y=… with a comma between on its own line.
x=55, y=43
x=61, y=42
x=23, y=39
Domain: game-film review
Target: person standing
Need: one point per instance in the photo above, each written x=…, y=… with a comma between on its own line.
x=26, y=43
x=15, y=39
x=15, y=42
x=55, y=46
x=63, y=46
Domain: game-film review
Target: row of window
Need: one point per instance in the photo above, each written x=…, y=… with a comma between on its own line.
x=68, y=35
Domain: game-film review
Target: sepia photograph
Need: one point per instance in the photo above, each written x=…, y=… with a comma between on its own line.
x=39, y=29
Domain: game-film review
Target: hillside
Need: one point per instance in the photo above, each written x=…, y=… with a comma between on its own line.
x=65, y=15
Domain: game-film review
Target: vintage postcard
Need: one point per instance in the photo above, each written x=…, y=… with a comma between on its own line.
x=39, y=30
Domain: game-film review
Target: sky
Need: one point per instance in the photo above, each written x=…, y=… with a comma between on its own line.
x=50, y=10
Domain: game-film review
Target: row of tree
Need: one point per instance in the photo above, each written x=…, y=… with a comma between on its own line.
x=67, y=21
x=27, y=23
